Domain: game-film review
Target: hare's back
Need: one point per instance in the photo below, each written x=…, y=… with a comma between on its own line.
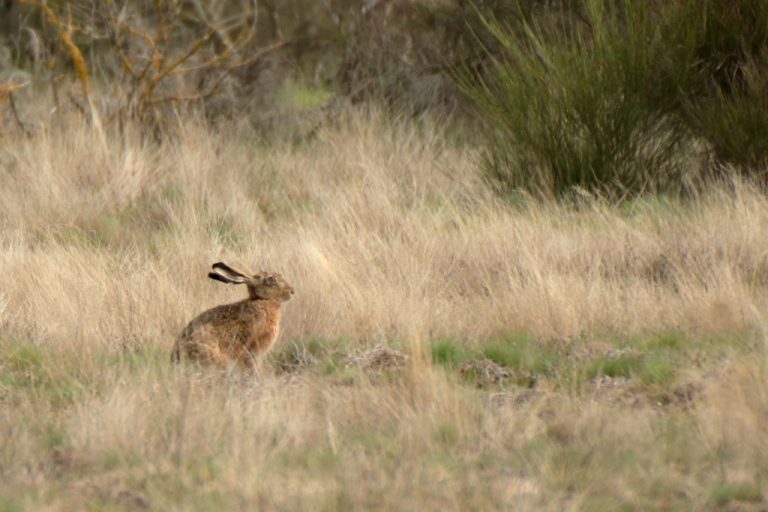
x=228, y=317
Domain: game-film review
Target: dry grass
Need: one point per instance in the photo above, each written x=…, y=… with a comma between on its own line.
x=389, y=238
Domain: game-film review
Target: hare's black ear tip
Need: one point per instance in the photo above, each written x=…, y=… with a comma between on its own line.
x=218, y=277
x=218, y=264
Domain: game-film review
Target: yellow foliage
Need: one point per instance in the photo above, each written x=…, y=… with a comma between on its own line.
x=65, y=34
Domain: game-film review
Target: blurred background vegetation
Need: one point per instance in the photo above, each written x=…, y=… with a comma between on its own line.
x=611, y=97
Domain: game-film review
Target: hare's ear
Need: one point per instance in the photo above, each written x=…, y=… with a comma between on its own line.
x=232, y=276
x=223, y=279
x=229, y=271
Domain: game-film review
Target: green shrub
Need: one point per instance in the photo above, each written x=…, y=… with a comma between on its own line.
x=584, y=101
x=731, y=34
x=613, y=96
x=733, y=119
x=655, y=363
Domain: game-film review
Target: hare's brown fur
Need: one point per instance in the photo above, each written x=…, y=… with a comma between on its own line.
x=240, y=332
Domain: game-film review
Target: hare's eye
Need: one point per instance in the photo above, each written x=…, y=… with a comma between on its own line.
x=271, y=281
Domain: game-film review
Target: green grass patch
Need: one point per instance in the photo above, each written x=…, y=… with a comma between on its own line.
x=656, y=359
x=111, y=460
x=624, y=365
x=24, y=368
x=26, y=362
x=606, y=501
x=447, y=434
x=320, y=458
x=523, y=352
x=8, y=505
x=28, y=370
x=744, y=492
x=718, y=346
x=173, y=193
x=142, y=358
x=450, y=353
x=653, y=359
x=53, y=437
x=665, y=342
x=333, y=363
x=382, y=442
x=80, y=237
x=652, y=368
x=657, y=370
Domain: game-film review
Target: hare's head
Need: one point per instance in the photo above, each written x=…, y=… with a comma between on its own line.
x=262, y=285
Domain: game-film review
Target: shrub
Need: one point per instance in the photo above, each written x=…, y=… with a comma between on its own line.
x=611, y=96
x=584, y=101
x=733, y=120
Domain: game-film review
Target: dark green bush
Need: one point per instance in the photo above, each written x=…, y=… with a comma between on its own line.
x=734, y=121
x=611, y=96
x=585, y=100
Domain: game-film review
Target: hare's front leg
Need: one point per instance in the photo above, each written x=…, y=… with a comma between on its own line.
x=250, y=361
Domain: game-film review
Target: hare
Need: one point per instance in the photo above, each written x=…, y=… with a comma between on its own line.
x=241, y=332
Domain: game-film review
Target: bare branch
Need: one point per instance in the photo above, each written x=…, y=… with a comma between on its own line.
x=20, y=124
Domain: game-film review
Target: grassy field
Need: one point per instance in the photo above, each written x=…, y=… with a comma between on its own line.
x=446, y=350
